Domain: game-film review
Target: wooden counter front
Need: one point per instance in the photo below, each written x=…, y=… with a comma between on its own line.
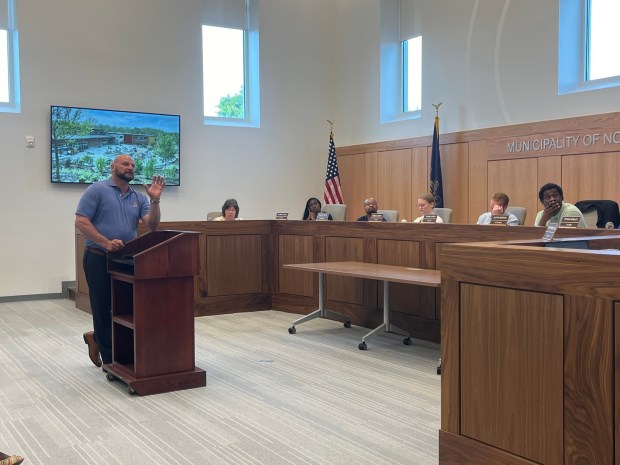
x=529, y=343
x=241, y=266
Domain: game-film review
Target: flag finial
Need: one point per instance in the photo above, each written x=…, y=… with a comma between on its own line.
x=331, y=125
x=437, y=108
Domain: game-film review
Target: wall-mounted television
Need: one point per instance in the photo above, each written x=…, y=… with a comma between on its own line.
x=84, y=141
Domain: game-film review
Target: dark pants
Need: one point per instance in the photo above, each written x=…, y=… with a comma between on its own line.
x=100, y=289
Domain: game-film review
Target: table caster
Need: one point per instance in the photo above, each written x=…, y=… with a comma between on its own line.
x=407, y=341
x=110, y=377
x=292, y=330
x=347, y=324
x=131, y=390
x=362, y=346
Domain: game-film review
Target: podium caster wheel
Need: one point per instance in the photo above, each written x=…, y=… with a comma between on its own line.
x=362, y=346
x=407, y=341
x=439, y=370
x=292, y=330
x=131, y=390
x=347, y=324
x=110, y=377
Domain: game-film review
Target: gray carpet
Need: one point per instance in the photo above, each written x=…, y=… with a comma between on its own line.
x=271, y=397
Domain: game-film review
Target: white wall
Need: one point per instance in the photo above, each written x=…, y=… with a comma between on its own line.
x=491, y=63
x=145, y=55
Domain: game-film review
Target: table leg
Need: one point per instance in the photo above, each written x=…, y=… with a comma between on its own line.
x=321, y=312
x=389, y=327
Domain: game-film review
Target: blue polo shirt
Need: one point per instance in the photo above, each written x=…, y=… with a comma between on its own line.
x=114, y=215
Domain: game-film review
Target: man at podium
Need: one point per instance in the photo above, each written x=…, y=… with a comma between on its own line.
x=108, y=214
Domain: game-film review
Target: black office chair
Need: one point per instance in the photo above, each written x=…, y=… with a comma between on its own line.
x=607, y=212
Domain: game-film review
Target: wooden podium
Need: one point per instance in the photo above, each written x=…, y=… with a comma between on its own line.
x=153, y=313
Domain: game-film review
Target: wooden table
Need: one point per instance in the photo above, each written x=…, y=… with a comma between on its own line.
x=385, y=273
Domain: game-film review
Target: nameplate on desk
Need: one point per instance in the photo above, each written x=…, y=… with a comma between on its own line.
x=499, y=220
x=570, y=222
x=376, y=217
x=430, y=218
x=550, y=232
x=322, y=216
x=282, y=216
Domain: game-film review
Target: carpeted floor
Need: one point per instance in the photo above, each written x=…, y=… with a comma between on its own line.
x=271, y=397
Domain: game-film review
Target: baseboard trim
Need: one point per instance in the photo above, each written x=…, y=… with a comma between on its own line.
x=65, y=287
x=64, y=294
x=21, y=298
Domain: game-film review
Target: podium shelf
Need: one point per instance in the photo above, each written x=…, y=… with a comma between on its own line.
x=124, y=320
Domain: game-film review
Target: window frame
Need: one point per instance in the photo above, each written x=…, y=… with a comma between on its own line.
x=13, y=104
x=573, y=49
x=392, y=73
x=251, y=86
x=405, y=76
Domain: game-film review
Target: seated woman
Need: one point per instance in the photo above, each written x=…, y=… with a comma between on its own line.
x=426, y=203
x=230, y=211
x=313, y=207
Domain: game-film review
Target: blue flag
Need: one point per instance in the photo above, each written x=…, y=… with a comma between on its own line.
x=436, y=184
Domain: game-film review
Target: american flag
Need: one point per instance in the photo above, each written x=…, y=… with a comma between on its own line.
x=333, y=192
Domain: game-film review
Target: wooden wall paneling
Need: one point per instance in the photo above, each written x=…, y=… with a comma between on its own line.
x=459, y=450
x=549, y=170
x=400, y=183
x=455, y=175
x=403, y=297
x=588, y=380
x=318, y=247
x=371, y=317
x=450, y=356
x=607, y=123
x=344, y=289
x=269, y=262
x=420, y=179
x=478, y=180
x=464, y=191
x=352, y=180
x=517, y=178
x=512, y=341
x=591, y=177
x=234, y=264
x=296, y=249
x=383, y=192
x=371, y=168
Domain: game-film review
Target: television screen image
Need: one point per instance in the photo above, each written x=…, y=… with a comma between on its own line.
x=85, y=141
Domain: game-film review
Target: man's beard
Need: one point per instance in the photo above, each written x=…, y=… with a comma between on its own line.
x=124, y=176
